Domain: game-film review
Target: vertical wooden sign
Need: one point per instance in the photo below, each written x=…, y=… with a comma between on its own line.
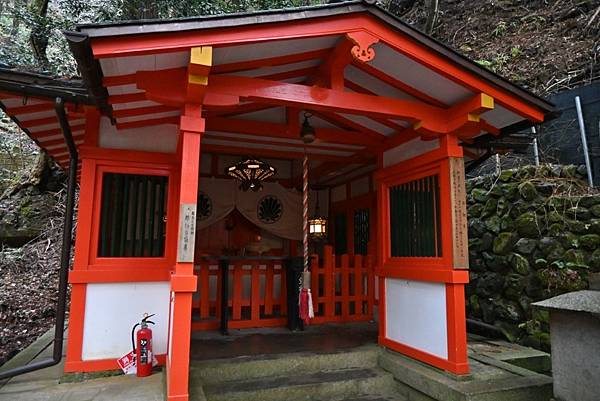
x=458, y=202
x=187, y=233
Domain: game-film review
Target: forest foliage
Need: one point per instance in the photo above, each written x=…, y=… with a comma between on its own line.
x=31, y=30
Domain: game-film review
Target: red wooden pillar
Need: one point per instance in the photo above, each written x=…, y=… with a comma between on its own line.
x=183, y=280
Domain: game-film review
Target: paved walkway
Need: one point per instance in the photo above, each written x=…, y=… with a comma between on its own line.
x=45, y=384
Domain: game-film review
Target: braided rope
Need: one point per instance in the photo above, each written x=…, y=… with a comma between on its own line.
x=305, y=209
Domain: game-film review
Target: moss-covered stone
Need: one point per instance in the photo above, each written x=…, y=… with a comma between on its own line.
x=575, y=256
x=476, y=228
x=527, y=225
x=595, y=210
x=519, y=264
x=590, y=241
x=556, y=229
x=555, y=217
x=506, y=175
x=527, y=191
x=480, y=195
x=525, y=245
x=594, y=261
x=493, y=224
x=490, y=207
x=504, y=243
x=474, y=210
x=578, y=226
x=578, y=213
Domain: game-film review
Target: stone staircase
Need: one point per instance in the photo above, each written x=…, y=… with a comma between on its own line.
x=351, y=375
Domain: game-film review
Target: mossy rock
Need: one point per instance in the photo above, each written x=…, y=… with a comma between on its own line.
x=579, y=213
x=504, y=243
x=502, y=206
x=476, y=228
x=528, y=191
x=506, y=175
x=506, y=223
x=495, y=263
x=568, y=239
x=594, y=261
x=589, y=201
x=595, y=210
x=487, y=242
x=490, y=207
x=493, y=224
x=514, y=286
x=519, y=264
x=497, y=190
x=525, y=245
x=510, y=331
x=490, y=284
x=551, y=248
x=527, y=225
x=556, y=229
x=590, y=241
x=578, y=227
x=555, y=217
x=480, y=195
x=511, y=191
x=474, y=210
x=576, y=257
x=594, y=226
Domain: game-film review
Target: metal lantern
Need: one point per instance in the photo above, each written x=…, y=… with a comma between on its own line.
x=251, y=172
x=317, y=225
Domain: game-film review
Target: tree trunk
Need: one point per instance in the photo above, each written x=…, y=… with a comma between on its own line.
x=40, y=31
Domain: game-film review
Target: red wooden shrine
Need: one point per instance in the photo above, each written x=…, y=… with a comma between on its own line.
x=166, y=106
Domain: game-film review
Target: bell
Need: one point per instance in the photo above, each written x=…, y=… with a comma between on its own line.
x=307, y=132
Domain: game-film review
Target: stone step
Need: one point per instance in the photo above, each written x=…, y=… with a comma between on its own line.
x=253, y=367
x=326, y=385
x=376, y=397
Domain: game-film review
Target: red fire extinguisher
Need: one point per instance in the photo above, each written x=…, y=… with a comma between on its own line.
x=142, y=346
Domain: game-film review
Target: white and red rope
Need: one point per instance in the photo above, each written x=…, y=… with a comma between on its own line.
x=305, y=210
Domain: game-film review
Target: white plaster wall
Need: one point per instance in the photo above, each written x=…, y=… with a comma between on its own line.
x=415, y=315
x=408, y=150
x=158, y=138
x=111, y=310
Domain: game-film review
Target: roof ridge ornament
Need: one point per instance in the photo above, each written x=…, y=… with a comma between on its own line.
x=362, y=50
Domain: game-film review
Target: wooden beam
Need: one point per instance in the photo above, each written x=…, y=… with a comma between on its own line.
x=322, y=99
x=269, y=62
x=140, y=111
x=262, y=152
x=253, y=127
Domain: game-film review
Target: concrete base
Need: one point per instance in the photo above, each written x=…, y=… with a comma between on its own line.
x=490, y=380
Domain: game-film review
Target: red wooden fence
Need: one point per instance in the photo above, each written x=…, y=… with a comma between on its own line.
x=342, y=291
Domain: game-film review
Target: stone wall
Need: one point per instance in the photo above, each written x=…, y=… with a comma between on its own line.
x=533, y=233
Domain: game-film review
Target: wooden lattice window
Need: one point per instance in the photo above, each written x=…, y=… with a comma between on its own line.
x=361, y=231
x=132, y=218
x=415, y=218
x=340, y=229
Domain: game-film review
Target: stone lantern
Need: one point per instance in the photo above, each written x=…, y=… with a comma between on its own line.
x=575, y=340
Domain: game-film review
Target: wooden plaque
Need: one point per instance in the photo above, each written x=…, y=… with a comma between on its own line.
x=187, y=233
x=458, y=202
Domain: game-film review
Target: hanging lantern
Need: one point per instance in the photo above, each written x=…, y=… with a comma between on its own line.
x=251, y=172
x=317, y=225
